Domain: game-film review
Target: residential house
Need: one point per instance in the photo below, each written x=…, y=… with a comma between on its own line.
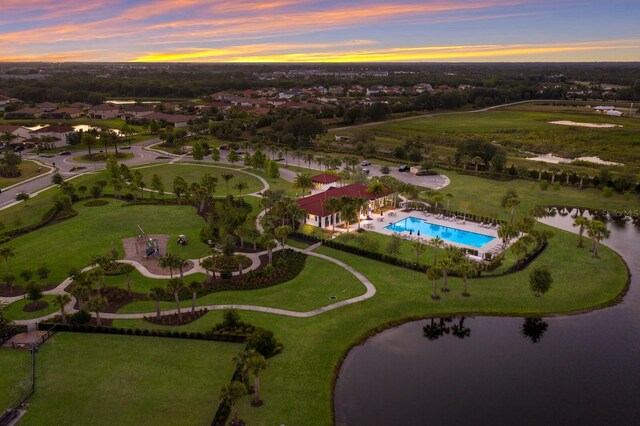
x=376, y=90
x=138, y=111
x=5, y=101
x=24, y=113
x=66, y=113
x=423, y=88
x=336, y=90
x=104, y=111
x=176, y=120
x=18, y=133
x=47, y=106
x=356, y=90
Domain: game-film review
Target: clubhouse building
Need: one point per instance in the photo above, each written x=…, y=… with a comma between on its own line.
x=319, y=216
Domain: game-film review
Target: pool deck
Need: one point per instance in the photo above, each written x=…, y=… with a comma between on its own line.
x=379, y=224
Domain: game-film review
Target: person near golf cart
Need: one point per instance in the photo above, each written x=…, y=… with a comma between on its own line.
x=183, y=240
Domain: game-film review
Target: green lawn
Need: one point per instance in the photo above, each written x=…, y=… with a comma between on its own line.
x=28, y=170
x=95, y=230
x=106, y=380
x=484, y=195
x=142, y=284
x=15, y=376
x=297, y=386
x=274, y=183
x=193, y=173
x=381, y=242
x=307, y=291
x=14, y=311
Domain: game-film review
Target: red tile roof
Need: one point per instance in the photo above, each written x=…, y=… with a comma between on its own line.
x=54, y=129
x=325, y=178
x=314, y=204
x=8, y=128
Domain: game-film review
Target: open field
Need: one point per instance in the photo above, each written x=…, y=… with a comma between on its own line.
x=309, y=290
x=522, y=128
x=297, y=386
x=96, y=229
x=97, y=379
x=484, y=195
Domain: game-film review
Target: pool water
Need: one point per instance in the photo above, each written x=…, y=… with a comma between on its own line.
x=432, y=230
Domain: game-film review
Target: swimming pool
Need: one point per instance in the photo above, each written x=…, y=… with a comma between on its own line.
x=432, y=230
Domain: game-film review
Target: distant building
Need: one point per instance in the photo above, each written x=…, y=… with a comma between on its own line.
x=104, y=111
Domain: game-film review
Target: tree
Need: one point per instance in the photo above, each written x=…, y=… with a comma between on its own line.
x=255, y=363
x=34, y=291
x=194, y=287
x=89, y=140
x=582, y=223
x=7, y=253
x=174, y=285
x=230, y=393
x=540, y=280
x=61, y=301
x=241, y=186
x=56, y=178
x=209, y=268
x=26, y=275
x=283, y=232
x=97, y=304
x=233, y=156
x=597, y=231
x=476, y=161
x=156, y=294
x=376, y=188
x=436, y=199
x=157, y=185
x=22, y=196
x=466, y=268
x=332, y=205
x=434, y=273
x=215, y=154
x=303, y=182
x=198, y=151
x=180, y=187
x=452, y=255
x=511, y=204
x=43, y=271
x=127, y=269
x=227, y=177
x=169, y=260
x=418, y=248
x=269, y=243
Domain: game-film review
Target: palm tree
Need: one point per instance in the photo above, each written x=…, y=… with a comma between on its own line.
x=230, y=393
x=227, y=177
x=241, y=186
x=332, y=205
x=466, y=268
x=418, y=248
x=433, y=273
x=61, y=300
x=452, y=256
x=597, y=231
x=520, y=249
x=269, y=243
x=7, y=253
x=174, y=285
x=81, y=290
x=194, y=287
x=127, y=269
x=436, y=199
x=156, y=294
x=303, y=182
x=255, y=363
x=449, y=197
x=309, y=158
x=583, y=224
x=208, y=264
x=436, y=242
x=97, y=304
x=359, y=204
x=511, y=203
x=376, y=188
x=170, y=261
x=476, y=161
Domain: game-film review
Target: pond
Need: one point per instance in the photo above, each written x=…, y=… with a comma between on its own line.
x=579, y=369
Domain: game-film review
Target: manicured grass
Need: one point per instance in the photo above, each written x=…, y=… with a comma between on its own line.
x=381, y=242
x=15, y=376
x=297, y=386
x=193, y=173
x=484, y=196
x=309, y=290
x=28, y=170
x=142, y=284
x=297, y=244
x=95, y=230
x=107, y=380
x=14, y=311
x=123, y=155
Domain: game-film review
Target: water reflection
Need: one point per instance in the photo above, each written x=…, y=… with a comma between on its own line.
x=533, y=329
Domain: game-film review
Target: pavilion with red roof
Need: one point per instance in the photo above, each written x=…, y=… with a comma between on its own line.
x=318, y=215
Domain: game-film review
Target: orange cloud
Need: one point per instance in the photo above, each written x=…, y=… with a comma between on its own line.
x=264, y=52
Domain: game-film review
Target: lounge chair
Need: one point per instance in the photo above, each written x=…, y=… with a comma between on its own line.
x=481, y=224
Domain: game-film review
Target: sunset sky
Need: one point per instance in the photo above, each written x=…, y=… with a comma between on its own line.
x=319, y=30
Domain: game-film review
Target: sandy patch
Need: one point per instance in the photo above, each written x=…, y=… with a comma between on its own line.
x=135, y=249
x=590, y=125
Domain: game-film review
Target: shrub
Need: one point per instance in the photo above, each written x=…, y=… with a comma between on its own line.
x=607, y=192
x=230, y=318
x=264, y=342
x=544, y=185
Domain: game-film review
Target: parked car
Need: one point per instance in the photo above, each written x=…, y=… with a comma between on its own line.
x=224, y=147
x=365, y=171
x=65, y=153
x=18, y=148
x=403, y=168
x=365, y=163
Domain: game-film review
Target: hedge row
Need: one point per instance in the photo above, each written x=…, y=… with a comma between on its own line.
x=222, y=336
x=47, y=217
